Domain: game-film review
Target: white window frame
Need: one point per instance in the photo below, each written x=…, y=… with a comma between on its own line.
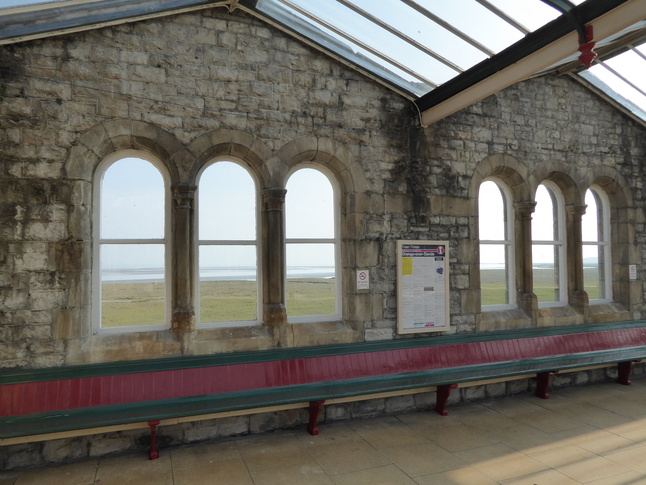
x=603, y=242
x=336, y=240
x=508, y=243
x=217, y=242
x=98, y=242
x=559, y=244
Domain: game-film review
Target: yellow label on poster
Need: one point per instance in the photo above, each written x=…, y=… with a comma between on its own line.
x=407, y=266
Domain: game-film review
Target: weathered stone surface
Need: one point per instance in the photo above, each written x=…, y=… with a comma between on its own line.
x=187, y=88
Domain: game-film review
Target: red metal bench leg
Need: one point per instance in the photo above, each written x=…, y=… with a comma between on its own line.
x=624, y=369
x=315, y=409
x=442, y=396
x=154, y=454
x=542, y=385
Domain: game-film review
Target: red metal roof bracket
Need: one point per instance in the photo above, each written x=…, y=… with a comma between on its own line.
x=586, y=47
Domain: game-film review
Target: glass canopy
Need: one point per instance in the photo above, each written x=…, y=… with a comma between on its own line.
x=418, y=45
x=412, y=46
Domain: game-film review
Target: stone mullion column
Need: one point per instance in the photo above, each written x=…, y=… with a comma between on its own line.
x=273, y=256
x=183, y=258
x=527, y=299
x=577, y=296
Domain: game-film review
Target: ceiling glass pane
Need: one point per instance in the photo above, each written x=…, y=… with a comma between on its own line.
x=423, y=30
x=370, y=34
x=617, y=85
x=476, y=21
x=532, y=14
x=343, y=47
x=631, y=66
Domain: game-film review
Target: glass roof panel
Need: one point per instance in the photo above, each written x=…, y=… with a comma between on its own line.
x=620, y=86
x=477, y=22
x=24, y=3
x=532, y=14
x=392, y=48
x=342, y=46
x=428, y=34
x=631, y=66
x=429, y=41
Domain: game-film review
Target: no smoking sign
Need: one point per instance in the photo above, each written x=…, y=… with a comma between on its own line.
x=363, y=279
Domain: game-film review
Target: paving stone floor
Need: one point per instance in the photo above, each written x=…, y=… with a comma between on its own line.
x=593, y=434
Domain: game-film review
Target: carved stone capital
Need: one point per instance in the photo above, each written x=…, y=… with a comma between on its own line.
x=274, y=198
x=525, y=209
x=575, y=211
x=184, y=195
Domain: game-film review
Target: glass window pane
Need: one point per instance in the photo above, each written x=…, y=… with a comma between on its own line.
x=543, y=220
x=132, y=201
x=493, y=274
x=311, y=279
x=228, y=283
x=309, y=205
x=591, y=273
x=227, y=203
x=133, y=288
x=491, y=212
x=590, y=220
x=546, y=272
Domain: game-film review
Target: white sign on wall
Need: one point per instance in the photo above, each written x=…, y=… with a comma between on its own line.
x=422, y=286
x=363, y=279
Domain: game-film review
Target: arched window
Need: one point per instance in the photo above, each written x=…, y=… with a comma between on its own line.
x=496, y=247
x=228, y=245
x=548, y=247
x=595, y=225
x=312, y=252
x=130, y=249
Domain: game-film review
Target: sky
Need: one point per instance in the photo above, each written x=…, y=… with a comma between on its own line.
x=132, y=207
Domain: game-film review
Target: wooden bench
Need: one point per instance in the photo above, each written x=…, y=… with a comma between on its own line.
x=40, y=404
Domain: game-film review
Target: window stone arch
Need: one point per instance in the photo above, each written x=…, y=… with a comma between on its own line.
x=91, y=148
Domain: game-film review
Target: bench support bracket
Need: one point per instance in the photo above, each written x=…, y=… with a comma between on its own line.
x=442, y=396
x=154, y=454
x=315, y=409
x=623, y=372
x=542, y=385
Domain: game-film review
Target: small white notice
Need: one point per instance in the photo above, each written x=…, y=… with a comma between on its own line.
x=363, y=279
x=632, y=271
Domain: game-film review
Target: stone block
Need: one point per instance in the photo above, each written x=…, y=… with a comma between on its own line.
x=399, y=404
x=109, y=444
x=57, y=451
x=234, y=426
x=474, y=393
x=262, y=422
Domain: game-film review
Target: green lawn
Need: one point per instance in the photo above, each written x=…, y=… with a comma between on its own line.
x=127, y=304
x=493, y=285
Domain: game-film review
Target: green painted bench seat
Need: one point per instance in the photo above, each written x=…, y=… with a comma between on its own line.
x=53, y=400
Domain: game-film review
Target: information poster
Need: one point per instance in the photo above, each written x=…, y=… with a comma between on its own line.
x=422, y=286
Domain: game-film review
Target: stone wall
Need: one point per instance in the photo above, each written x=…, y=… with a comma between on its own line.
x=194, y=86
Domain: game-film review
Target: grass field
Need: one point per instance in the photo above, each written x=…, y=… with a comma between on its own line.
x=230, y=301
x=220, y=301
x=493, y=285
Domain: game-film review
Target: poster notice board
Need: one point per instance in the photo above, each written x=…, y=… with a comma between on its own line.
x=422, y=286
